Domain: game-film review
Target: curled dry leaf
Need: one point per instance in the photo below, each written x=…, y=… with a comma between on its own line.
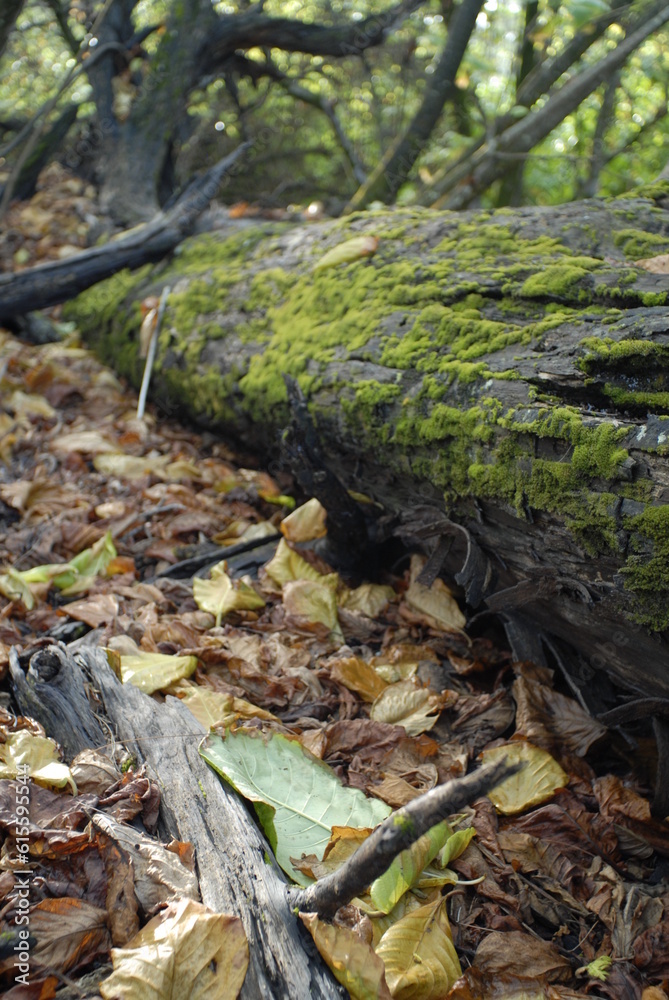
x=435, y=606
x=185, y=953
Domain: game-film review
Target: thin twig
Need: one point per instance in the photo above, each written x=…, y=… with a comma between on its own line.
x=151, y=354
x=398, y=832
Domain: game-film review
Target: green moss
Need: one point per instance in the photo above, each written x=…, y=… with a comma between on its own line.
x=557, y=281
x=654, y=191
x=636, y=243
x=440, y=321
x=646, y=569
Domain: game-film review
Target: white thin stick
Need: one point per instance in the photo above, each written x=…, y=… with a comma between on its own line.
x=151, y=354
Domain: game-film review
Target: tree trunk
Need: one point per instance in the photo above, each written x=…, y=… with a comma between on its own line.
x=9, y=11
x=505, y=371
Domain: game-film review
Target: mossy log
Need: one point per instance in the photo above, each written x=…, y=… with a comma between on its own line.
x=507, y=370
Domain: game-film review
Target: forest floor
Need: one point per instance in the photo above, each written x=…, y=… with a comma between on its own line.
x=562, y=892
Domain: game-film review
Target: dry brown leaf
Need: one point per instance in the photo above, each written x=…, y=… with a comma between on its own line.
x=516, y=954
x=185, y=953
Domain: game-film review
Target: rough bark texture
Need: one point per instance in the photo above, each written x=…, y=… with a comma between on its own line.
x=236, y=872
x=507, y=370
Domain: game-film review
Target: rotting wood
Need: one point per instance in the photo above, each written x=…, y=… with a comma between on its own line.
x=505, y=370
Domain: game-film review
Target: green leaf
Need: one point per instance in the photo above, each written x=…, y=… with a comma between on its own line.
x=406, y=868
x=297, y=797
x=91, y=562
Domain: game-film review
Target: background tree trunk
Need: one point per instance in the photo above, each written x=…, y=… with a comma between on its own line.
x=9, y=11
x=505, y=371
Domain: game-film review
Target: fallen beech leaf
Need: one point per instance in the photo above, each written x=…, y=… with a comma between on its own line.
x=213, y=708
x=517, y=954
x=305, y=523
x=69, y=932
x=153, y=671
x=369, y=598
x=93, y=611
x=85, y=442
x=312, y=602
x=345, y=253
x=405, y=869
x=23, y=404
x=657, y=265
x=357, y=675
x=536, y=783
x=160, y=875
x=41, y=757
x=436, y=605
x=352, y=962
x=187, y=952
x=419, y=956
x=287, y=565
x=219, y=595
x=404, y=704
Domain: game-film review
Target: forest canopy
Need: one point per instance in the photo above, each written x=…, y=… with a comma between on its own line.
x=349, y=103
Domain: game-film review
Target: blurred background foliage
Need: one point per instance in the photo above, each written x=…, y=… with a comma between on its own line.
x=617, y=139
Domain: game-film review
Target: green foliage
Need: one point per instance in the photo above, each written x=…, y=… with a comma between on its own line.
x=298, y=154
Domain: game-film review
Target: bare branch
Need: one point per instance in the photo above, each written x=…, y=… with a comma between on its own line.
x=244, y=31
x=396, y=834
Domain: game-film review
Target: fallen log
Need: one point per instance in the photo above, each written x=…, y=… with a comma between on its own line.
x=494, y=378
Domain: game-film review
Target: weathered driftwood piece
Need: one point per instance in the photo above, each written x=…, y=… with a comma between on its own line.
x=235, y=869
x=505, y=370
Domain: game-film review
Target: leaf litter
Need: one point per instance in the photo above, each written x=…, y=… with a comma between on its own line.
x=362, y=693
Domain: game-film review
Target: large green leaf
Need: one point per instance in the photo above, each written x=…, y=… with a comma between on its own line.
x=297, y=797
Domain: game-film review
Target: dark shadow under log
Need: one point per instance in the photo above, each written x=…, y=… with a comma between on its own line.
x=504, y=371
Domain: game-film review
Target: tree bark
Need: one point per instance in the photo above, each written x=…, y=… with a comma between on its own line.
x=495, y=378
x=9, y=12
x=489, y=163
x=396, y=166
x=236, y=872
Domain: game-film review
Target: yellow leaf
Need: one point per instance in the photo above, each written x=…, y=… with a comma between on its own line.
x=312, y=602
x=368, y=598
x=153, y=671
x=305, y=523
x=404, y=704
x=39, y=755
x=419, y=955
x=219, y=595
x=213, y=708
x=357, y=675
x=353, y=962
x=359, y=246
x=287, y=565
x=536, y=783
x=185, y=953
